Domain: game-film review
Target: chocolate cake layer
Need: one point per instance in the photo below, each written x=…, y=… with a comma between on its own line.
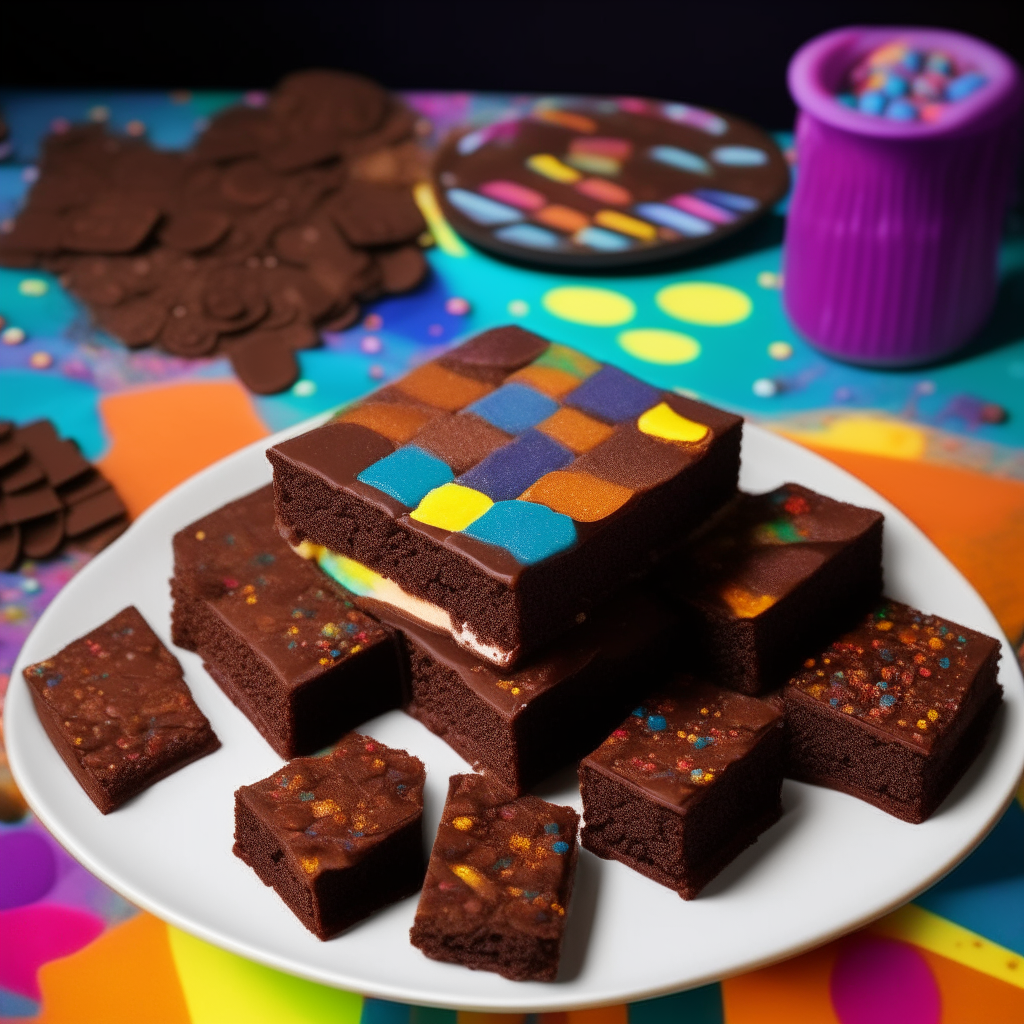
x=499, y=882
x=337, y=837
x=522, y=725
x=895, y=710
x=690, y=779
x=773, y=577
x=510, y=485
x=117, y=709
x=288, y=647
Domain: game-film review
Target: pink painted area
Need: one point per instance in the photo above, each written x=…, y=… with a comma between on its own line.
x=617, y=149
x=701, y=208
x=883, y=981
x=35, y=935
x=604, y=191
x=634, y=105
x=514, y=194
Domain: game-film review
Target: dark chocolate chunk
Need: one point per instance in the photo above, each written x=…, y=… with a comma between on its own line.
x=96, y=540
x=41, y=537
x=21, y=475
x=61, y=461
x=83, y=487
x=501, y=348
x=370, y=214
x=10, y=544
x=193, y=230
x=136, y=323
x=31, y=503
x=499, y=882
x=94, y=511
x=248, y=183
x=337, y=452
x=10, y=451
x=117, y=709
x=109, y=227
x=401, y=269
x=337, y=837
x=263, y=363
x=353, y=103
x=690, y=779
x=895, y=710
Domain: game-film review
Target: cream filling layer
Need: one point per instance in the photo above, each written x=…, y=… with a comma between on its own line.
x=365, y=582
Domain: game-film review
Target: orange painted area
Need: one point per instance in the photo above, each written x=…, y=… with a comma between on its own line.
x=793, y=992
x=975, y=519
x=126, y=976
x=969, y=997
x=161, y=436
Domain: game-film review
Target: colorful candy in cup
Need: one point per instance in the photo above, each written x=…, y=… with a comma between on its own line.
x=904, y=83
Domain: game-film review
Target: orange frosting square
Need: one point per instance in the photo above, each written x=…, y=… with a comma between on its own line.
x=580, y=496
x=547, y=379
x=576, y=430
x=442, y=388
x=398, y=423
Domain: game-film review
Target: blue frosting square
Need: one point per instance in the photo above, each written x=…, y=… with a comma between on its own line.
x=613, y=396
x=509, y=470
x=514, y=408
x=529, y=532
x=407, y=474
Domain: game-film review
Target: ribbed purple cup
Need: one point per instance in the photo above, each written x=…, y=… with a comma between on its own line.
x=893, y=227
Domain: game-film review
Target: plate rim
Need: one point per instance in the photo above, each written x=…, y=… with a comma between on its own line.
x=17, y=696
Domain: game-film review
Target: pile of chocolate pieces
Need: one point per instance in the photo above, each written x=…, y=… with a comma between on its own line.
x=49, y=495
x=281, y=219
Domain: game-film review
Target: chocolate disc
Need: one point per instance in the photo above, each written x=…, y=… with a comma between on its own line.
x=193, y=230
x=10, y=547
x=402, y=269
x=109, y=227
x=370, y=214
x=607, y=183
x=264, y=362
x=41, y=537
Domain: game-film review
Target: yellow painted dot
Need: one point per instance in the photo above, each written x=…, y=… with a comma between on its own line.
x=462, y=823
x=200, y=535
x=936, y=644
x=704, y=302
x=451, y=507
x=34, y=286
x=664, y=422
x=595, y=307
x=932, y=715
x=780, y=350
x=519, y=843
x=552, y=168
x=655, y=345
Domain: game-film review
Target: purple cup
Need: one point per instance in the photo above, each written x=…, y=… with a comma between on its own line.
x=893, y=229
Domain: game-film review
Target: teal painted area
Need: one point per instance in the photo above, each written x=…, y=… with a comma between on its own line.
x=381, y=1011
x=697, y=1006
x=986, y=892
x=430, y=1015
x=72, y=405
x=49, y=315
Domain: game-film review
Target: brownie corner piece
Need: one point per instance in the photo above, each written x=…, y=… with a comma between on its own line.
x=118, y=711
x=338, y=836
x=499, y=882
x=895, y=710
x=290, y=649
x=687, y=782
x=772, y=577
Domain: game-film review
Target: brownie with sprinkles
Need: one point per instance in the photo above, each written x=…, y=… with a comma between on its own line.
x=503, y=491
x=773, y=577
x=117, y=709
x=339, y=836
x=521, y=725
x=689, y=780
x=287, y=646
x=499, y=882
x=895, y=710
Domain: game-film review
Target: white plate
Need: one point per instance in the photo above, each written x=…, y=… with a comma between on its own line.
x=830, y=865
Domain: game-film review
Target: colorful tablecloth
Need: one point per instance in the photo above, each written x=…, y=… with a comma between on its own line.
x=945, y=444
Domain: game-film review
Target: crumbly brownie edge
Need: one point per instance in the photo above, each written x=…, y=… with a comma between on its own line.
x=883, y=759
x=717, y=828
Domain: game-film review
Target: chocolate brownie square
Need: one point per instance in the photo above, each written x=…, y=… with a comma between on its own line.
x=283, y=642
x=690, y=779
x=337, y=837
x=895, y=710
x=771, y=578
x=508, y=487
x=522, y=725
x=115, y=705
x=499, y=882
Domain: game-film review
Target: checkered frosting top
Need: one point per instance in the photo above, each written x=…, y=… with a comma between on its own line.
x=515, y=441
